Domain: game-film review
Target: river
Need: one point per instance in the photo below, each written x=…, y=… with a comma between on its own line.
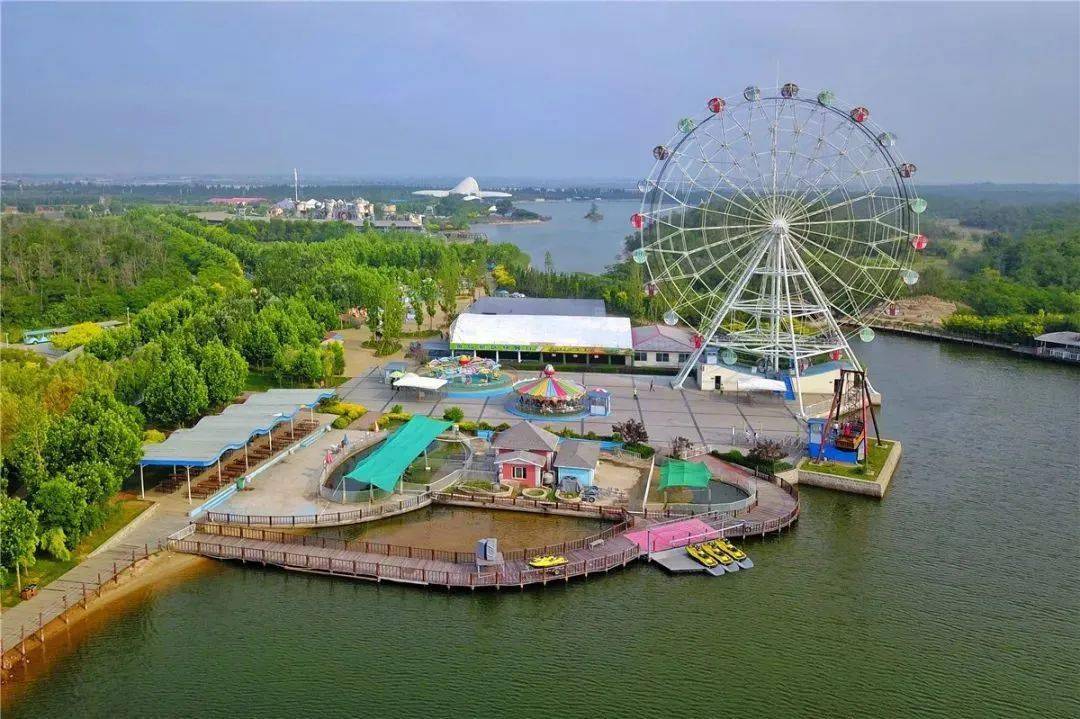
x=575, y=244
x=955, y=596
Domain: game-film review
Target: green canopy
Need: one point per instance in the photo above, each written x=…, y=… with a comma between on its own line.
x=677, y=473
x=385, y=465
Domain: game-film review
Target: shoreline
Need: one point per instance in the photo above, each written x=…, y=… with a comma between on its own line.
x=64, y=635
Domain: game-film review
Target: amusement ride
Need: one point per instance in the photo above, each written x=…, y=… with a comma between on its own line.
x=778, y=225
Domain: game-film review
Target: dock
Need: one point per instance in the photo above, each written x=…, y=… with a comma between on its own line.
x=401, y=564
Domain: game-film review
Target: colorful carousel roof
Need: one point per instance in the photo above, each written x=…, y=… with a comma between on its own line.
x=548, y=386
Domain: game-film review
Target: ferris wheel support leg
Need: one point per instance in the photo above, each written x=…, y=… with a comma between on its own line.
x=783, y=251
x=722, y=312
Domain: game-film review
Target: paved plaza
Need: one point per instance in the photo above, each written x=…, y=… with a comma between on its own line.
x=667, y=413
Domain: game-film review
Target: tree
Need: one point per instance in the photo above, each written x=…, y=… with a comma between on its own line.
x=393, y=315
x=18, y=534
x=680, y=447
x=767, y=452
x=333, y=359
x=632, y=431
x=449, y=279
x=453, y=414
x=549, y=263
x=175, y=392
x=61, y=504
x=224, y=370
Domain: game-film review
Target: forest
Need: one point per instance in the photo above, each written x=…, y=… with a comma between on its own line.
x=208, y=305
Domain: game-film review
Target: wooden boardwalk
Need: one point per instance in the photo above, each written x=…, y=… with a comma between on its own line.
x=380, y=562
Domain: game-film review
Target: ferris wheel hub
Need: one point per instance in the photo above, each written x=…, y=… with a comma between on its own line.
x=779, y=225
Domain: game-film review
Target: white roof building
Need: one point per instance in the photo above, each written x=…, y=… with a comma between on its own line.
x=542, y=333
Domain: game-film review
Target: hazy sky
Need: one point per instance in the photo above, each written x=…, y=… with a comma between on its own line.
x=974, y=91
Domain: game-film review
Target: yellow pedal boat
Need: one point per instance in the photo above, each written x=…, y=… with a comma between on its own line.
x=702, y=556
x=718, y=553
x=547, y=562
x=731, y=549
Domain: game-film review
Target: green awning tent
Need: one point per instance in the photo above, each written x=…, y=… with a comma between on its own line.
x=384, y=466
x=677, y=473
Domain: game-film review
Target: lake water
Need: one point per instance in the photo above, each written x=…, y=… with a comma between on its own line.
x=958, y=595
x=575, y=244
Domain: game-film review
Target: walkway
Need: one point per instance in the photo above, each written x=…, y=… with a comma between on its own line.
x=168, y=515
x=364, y=560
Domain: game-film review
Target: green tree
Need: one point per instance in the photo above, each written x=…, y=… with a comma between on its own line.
x=61, y=504
x=175, y=392
x=549, y=263
x=449, y=279
x=454, y=414
x=96, y=428
x=18, y=533
x=224, y=370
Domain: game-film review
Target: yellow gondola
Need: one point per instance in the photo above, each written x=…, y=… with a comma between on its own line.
x=718, y=553
x=547, y=562
x=699, y=554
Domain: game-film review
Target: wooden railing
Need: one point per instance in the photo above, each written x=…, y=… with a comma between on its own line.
x=323, y=519
x=583, y=508
x=356, y=545
x=510, y=576
x=68, y=600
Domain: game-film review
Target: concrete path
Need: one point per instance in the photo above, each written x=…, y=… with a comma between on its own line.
x=169, y=514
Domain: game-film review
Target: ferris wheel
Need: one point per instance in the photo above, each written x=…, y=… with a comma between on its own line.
x=778, y=226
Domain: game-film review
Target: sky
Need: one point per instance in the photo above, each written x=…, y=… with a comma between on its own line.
x=974, y=92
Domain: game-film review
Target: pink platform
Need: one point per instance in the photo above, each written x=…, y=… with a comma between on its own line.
x=676, y=534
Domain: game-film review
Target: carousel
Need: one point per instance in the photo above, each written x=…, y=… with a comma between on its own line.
x=466, y=374
x=549, y=395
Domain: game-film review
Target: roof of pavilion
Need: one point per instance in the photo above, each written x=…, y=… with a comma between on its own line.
x=214, y=435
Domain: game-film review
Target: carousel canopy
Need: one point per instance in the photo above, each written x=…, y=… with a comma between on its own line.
x=549, y=386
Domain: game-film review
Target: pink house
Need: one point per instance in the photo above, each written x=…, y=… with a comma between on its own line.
x=523, y=453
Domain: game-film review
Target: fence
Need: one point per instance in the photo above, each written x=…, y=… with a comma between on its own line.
x=583, y=508
x=180, y=542
x=325, y=519
x=67, y=600
x=380, y=571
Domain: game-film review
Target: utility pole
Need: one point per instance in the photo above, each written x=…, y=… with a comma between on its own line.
x=296, y=185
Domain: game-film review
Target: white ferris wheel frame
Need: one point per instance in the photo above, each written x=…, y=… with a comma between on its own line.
x=781, y=252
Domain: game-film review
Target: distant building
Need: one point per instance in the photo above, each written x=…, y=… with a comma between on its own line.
x=399, y=225
x=662, y=346
x=1060, y=345
x=238, y=201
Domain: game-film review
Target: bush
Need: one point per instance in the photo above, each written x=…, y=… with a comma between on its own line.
x=78, y=335
x=632, y=431
x=153, y=436
x=642, y=450
x=347, y=412
x=736, y=457
x=396, y=409
x=454, y=414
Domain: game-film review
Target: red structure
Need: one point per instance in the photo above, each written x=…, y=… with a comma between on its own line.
x=523, y=453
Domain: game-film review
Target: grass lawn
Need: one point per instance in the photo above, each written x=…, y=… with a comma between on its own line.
x=47, y=569
x=260, y=381
x=877, y=455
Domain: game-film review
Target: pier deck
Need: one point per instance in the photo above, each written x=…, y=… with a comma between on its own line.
x=379, y=562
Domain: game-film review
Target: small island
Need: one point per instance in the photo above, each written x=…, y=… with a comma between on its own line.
x=594, y=214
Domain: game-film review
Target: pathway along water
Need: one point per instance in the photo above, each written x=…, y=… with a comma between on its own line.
x=955, y=596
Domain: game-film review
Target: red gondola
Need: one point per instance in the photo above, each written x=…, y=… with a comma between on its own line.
x=651, y=289
x=660, y=152
x=919, y=242
x=860, y=114
x=789, y=90
x=637, y=221
x=716, y=104
x=906, y=170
